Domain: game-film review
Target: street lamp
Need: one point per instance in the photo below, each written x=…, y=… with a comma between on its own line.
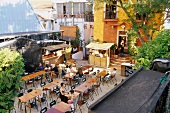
x=123, y=26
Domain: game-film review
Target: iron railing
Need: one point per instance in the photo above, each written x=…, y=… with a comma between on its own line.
x=89, y=18
x=110, y=14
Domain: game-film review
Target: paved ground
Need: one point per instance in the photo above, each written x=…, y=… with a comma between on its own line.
x=105, y=88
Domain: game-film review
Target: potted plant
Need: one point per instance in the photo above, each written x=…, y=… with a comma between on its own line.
x=112, y=48
x=77, y=39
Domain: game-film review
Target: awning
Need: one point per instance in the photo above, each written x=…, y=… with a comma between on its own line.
x=19, y=34
x=99, y=46
x=56, y=47
x=41, y=4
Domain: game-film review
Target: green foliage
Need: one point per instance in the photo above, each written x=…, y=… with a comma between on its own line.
x=132, y=37
x=113, y=47
x=11, y=69
x=157, y=48
x=87, y=42
x=76, y=42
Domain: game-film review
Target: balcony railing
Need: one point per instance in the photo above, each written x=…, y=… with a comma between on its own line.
x=69, y=15
x=89, y=18
x=110, y=14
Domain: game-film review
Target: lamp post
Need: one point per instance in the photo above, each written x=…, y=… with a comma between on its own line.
x=123, y=26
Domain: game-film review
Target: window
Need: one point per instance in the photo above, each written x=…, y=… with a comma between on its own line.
x=111, y=11
x=140, y=17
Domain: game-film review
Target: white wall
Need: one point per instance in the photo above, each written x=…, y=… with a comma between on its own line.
x=78, y=55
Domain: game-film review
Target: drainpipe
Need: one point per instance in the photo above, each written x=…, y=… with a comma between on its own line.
x=65, y=20
x=72, y=20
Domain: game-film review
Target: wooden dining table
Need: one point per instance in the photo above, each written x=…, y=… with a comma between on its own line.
x=36, y=92
x=49, y=86
x=33, y=75
x=91, y=80
x=83, y=87
x=57, y=82
x=86, y=67
x=76, y=94
x=60, y=107
x=26, y=97
x=31, y=95
x=102, y=74
x=62, y=65
x=70, y=76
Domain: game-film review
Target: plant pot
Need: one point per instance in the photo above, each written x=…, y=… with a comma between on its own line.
x=79, y=48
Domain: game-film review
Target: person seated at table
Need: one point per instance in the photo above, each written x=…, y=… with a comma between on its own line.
x=107, y=77
x=71, y=69
x=47, y=67
x=55, y=69
x=113, y=73
x=71, y=99
x=67, y=69
x=40, y=67
x=80, y=72
x=62, y=93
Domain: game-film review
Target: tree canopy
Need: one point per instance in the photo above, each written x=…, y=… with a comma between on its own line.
x=149, y=11
x=11, y=69
x=159, y=47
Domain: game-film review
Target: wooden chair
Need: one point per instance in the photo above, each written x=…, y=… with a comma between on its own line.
x=97, y=86
x=81, y=103
x=29, y=90
x=43, y=100
x=32, y=105
x=86, y=74
x=19, y=103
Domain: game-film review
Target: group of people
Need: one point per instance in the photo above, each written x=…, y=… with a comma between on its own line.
x=48, y=68
x=111, y=74
x=121, y=51
x=121, y=48
x=65, y=95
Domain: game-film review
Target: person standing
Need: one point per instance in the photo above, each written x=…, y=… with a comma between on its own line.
x=116, y=52
x=121, y=51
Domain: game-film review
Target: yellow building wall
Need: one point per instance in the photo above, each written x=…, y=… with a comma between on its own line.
x=98, y=21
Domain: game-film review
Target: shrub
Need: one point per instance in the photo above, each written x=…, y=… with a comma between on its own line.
x=11, y=69
x=157, y=48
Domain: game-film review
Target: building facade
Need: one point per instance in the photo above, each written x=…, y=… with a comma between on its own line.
x=110, y=23
x=74, y=13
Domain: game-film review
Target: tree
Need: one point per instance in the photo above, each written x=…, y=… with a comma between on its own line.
x=159, y=47
x=149, y=11
x=11, y=69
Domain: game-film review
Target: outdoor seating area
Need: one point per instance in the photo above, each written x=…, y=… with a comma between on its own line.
x=84, y=56
x=41, y=91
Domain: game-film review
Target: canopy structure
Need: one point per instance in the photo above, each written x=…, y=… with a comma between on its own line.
x=41, y=4
x=19, y=34
x=99, y=54
x=56, y=47
x=99, y=46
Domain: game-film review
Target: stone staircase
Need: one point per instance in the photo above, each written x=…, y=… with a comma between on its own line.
x=118, y=61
